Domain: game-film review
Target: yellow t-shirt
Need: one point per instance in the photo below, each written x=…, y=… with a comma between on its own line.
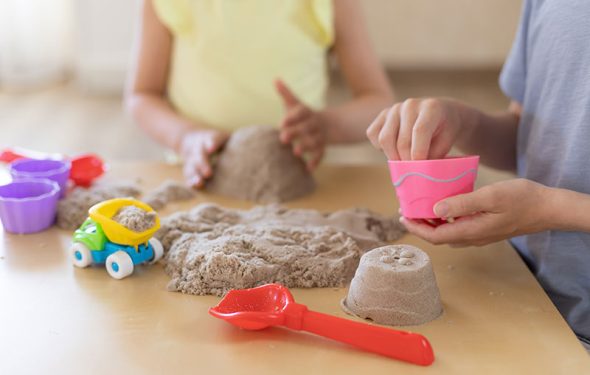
x=226, y=55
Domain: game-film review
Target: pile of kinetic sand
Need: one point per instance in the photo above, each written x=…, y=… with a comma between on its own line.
x=394, y=285
x=211, y=249
x=135, y=218
x=73, y=209
x=254, y=165
x=168, y=191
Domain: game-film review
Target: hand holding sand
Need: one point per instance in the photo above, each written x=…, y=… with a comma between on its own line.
x=302, y=127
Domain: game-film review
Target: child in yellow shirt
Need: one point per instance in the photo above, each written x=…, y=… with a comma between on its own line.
x=204, y=68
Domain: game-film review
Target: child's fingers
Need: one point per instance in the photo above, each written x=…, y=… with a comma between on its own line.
x=191, y=175
x=310, y=143
x=289, y=98
x=295, y=115
x=408, y=114
x=375, y=128
x=287, y=135
x=388, y=135
x=315, y=160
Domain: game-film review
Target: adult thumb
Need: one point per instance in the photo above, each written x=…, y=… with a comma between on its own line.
x=463, y=204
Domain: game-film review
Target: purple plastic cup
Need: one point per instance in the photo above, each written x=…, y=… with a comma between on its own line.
x=28, y=205
x=55, y=170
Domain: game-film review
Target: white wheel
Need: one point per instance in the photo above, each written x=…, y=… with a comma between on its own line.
x=119, y=265
x=80, y=254
x=158, y=250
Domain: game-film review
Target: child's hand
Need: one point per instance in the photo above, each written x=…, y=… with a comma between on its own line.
x=196, y=150
x=416, y=129
x=303, y=127
x=492, y=213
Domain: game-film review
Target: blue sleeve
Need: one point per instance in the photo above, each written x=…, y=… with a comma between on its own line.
x=513, y=76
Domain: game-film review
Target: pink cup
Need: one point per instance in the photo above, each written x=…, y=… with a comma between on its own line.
x=420, y=184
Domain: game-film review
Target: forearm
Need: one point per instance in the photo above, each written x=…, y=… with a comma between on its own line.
x=492, y=136
x=567, y=210
x=157, y=118
x=348, y=122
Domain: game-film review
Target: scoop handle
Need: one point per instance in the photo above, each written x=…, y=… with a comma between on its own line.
x=405, y=346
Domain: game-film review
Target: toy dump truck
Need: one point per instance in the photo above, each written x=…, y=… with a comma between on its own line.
x=102, y=240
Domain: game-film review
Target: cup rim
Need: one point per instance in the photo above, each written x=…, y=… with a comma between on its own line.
x=435, y=161
x=54, y=189
x=64, y=166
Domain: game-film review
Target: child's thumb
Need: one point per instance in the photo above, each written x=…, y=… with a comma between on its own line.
x=462, y=205
x=289, y=98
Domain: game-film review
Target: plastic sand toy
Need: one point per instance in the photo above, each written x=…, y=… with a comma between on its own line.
x=28, y=205
x=82, y=169
x=273, y=305
x=420, y=184
x=102, y=240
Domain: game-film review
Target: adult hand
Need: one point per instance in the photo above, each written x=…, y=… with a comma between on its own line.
x=302, y=127
x=417, y=129
x=492, y=213
x=196, y=150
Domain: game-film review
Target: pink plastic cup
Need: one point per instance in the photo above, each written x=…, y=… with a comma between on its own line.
x=420, y=184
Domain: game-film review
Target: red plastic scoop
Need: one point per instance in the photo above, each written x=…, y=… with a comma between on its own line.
x=85, y=169
x=273, y=305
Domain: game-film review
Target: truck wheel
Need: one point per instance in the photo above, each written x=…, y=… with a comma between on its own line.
x=158, y=250
x=119, y=265
x=80, y=254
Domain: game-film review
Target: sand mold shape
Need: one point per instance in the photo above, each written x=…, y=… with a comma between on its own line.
x=168, y=191
x=135, y=219
x=73, y=210
x=211, y=250
x=394, y=285
x=254, y=165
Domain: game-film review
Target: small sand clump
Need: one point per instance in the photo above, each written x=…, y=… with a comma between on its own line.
x=73, y=209
x=168, y=191
x=211, y=249
x=394, y=285
x=135, y=218
x=254, y=165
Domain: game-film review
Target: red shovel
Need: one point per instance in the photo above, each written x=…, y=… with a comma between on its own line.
x=273, y=305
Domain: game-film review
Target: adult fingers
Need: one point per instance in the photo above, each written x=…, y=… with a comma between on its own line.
x=408, y=114
x=422, y=133
x=388, y=135
x=469, y=230
x=466, y=204
x=375, y=128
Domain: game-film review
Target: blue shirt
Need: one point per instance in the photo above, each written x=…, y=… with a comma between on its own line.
x=548, y=73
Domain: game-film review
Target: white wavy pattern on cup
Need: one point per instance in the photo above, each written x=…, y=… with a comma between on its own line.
x=433, y=179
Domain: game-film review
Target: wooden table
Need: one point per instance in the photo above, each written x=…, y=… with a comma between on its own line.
x=57, y=319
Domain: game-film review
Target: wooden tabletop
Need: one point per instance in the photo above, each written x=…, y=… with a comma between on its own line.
x=55, y=318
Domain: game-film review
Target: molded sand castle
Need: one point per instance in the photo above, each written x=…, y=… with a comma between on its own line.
x=394, y=285
x=254, y=165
